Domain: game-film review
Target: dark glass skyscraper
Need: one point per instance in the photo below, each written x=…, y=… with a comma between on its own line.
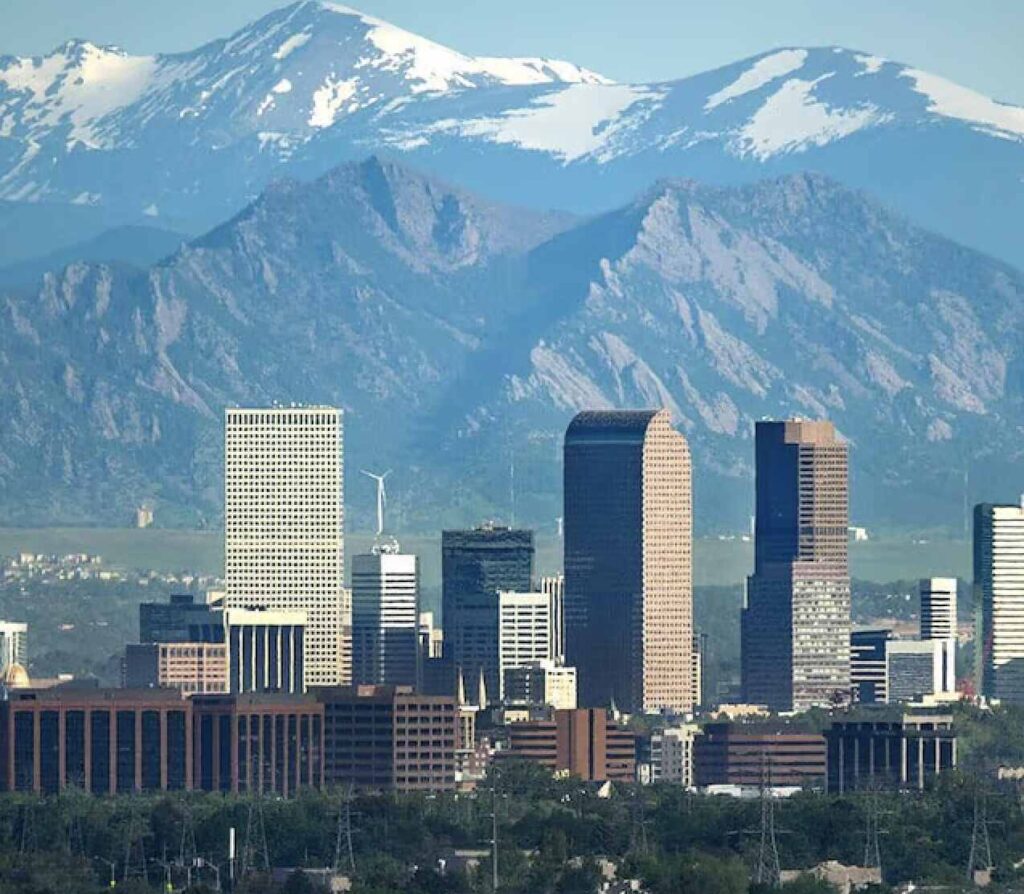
x=475, y=565
x=628, y=541
x=796, y=621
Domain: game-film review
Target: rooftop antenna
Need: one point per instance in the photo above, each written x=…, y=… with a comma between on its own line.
x=382, y=497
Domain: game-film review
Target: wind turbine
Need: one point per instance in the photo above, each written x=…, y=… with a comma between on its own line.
x=382, y=497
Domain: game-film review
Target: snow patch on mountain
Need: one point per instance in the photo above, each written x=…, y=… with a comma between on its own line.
x=762, y=72
x=291, y=44
x=329, y=100
x=954, y=101
x=581, y=120
x=792, y=119
x=81, y=82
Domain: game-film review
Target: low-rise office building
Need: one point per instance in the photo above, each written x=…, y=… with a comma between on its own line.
x=191, y=668
x=584, y=742
x=754, y=754
x=104, y=741
x=389, y=738
x=541, y=683
x=889, y=748
x=265, y=743
x=672, y=754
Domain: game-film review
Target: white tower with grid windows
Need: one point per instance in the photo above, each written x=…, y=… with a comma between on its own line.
x=284, y=526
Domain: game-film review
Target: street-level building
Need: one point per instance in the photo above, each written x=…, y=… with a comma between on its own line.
x=191, y=668
x=584, y=742
x=266, y=649
x=916, y=669
x=755, y=754
x=389, y=738
x=103, y=741
x=889, y=748
x=259, y=743
x=672, y=754
x=541, y=683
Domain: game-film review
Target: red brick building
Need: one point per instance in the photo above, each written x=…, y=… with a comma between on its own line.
x=583, y=742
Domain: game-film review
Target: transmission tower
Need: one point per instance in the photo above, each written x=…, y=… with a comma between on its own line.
x=135, y=848
x=872, y=850
x=28, y=841
x=343, y=841
x=768, y=871
x=980, y=859
x=255, y=854
x=187, y=851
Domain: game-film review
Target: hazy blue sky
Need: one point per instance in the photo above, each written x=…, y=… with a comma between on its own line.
x=977, y=43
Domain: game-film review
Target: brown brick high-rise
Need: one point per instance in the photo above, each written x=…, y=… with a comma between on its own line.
x=796, y=622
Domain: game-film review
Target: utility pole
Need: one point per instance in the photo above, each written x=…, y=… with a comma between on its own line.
x=494, y=841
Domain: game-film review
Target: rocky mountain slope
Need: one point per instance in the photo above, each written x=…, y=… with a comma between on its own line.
x=191, y=138
x=461, y=335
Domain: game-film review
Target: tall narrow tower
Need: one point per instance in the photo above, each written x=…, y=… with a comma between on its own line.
x=938, y=622
x=999, y=600
x=796, y=621
x=385, y=609
x=628, y=568
x=284, y=526
x=475, y=566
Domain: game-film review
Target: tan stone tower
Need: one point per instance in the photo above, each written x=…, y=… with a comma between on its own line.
x=628, y=560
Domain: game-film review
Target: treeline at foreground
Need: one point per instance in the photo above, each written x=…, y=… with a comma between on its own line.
x=554, y=837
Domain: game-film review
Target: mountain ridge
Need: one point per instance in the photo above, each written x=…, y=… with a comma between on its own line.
x=193, y=137
x=455, y=352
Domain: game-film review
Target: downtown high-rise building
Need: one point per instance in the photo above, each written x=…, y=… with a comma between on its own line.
x=525, y=632
x=628, y=560
x=999, y=600
x=475, y=566
x=385, y=616
x=938, y=623
x=284, y=526
x=796, y=618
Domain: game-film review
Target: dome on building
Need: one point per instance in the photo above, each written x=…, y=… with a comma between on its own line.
x=16, y=677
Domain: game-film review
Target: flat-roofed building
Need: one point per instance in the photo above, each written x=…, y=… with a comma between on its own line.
x=266, y=649
x=584, y=742
x=284, y=526
x=525, y=632
x=103, y=741
x=672, y=754
x=475, y=566
x=389, y=738
x=754, y=754
x=180, y=620
x=385, y=616
x=890, y=748
x=915, y=669
x=541, y=683
x=191, y=668
x=13, y=644
x=258, y=742
x=795, y=627
x=628, y=560
x=868, y=670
